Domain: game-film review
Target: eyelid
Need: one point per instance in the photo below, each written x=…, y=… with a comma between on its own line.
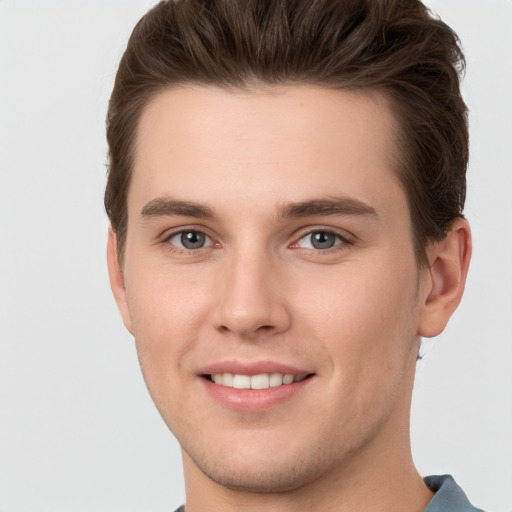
x=342, y=233
x=208, y=239
x=170, y=232
x=347, y=239
x=167, y=235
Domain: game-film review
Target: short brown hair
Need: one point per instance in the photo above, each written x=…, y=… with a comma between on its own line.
x=395, y=46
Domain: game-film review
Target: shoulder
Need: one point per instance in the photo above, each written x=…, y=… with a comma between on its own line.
x=449, y=496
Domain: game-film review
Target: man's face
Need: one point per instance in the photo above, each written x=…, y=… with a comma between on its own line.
x=268, y=237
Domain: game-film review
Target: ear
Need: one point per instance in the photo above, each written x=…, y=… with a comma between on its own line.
x=115, y=273
x=444, y=279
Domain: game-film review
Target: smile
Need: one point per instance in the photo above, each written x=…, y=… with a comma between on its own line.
x=254, y=386
x=260, y=381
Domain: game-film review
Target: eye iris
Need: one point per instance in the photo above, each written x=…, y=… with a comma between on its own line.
x=322, y=240
x=192, y=239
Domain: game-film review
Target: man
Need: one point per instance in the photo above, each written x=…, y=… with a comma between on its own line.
x=285, y=190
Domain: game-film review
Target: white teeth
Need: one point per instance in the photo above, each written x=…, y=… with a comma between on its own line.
x=288, y=378
x=276, y=379
x=241, y=381
x=261, y=381
x=227, y=380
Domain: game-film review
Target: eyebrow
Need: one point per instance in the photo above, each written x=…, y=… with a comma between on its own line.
x=345, y=206
x=168, y=207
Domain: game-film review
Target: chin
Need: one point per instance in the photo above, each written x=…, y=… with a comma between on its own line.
x=260, y=464
x=269, y=476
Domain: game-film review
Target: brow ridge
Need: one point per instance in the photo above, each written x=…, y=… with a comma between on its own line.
x=329, y=206
x=167, y=206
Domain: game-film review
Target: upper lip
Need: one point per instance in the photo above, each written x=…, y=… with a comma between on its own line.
x=237, y=367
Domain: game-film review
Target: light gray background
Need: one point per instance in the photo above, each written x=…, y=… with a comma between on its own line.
x=78, y=431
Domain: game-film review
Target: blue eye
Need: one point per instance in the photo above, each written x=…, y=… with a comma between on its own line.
x=320, y=240
x=190, y=240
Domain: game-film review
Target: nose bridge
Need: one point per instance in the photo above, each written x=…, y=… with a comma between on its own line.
x=251, y=302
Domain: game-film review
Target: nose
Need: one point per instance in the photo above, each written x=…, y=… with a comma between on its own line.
x=251, y=298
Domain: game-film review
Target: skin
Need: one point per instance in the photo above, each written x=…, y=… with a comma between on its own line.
x=351, y=315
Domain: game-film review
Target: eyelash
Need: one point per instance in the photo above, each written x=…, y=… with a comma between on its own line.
x=343, y=242
x=183, y=250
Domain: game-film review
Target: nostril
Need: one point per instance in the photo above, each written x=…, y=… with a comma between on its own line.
x=241, y=330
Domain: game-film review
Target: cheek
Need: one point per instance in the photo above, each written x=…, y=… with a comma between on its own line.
x=365, y=318
x=166, y=309
x=165, y=316
x=361, y=297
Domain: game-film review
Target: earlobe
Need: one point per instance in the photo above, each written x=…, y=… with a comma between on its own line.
x=445, y=279
x=117, y=285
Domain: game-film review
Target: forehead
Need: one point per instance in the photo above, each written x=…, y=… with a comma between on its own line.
x=266, y=145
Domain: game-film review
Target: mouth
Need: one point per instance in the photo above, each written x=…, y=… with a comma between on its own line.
x=254, y=386
x=259, y=381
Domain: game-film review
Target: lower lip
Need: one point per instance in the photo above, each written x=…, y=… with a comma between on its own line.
x=254, y=400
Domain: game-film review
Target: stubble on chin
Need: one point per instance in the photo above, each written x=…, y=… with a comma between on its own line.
x=266, y=477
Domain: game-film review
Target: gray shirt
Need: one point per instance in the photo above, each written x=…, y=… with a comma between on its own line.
x=449, y=496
